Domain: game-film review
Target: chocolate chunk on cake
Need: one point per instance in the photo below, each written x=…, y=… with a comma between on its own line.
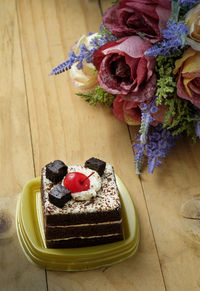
x=93, y=214
x=56, y=171
x=96, y=164
x=59, y=195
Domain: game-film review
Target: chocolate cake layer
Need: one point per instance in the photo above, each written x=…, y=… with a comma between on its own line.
x=71, y=219
x=83, y=242
x=53, y=232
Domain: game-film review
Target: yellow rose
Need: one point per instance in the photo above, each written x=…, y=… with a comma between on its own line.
x=188, y=85
x=86, y=78
x=193, y=22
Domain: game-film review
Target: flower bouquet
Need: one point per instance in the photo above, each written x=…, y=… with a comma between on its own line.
x=144, y=64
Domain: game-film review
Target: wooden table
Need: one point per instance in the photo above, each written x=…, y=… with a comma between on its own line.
x=42, y=119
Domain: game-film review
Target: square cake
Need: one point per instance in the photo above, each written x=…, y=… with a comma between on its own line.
x=81, y=204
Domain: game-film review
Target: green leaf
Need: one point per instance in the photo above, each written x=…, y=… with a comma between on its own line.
x=180, y=116
x=98, y=96
x=166, y=83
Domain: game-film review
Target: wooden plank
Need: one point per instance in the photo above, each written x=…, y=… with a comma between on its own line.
x=63, y=126
x=165, y=191
x=16, y=163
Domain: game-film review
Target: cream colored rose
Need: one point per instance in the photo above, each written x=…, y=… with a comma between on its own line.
x=86, y=78
x=193, y=22
x=188, y=84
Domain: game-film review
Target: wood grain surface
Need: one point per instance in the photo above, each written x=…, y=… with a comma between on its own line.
x=42, y=119
x=16, y=158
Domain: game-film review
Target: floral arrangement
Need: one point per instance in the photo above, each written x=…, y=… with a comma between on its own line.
x=144, y=64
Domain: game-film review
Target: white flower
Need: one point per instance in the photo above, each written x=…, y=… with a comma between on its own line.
x=86, y=78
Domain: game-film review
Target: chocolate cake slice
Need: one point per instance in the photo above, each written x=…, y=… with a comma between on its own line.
x=87, y=218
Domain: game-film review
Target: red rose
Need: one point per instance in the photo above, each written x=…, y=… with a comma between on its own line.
x=128, y=17
x=126, y=111
x=125, y=70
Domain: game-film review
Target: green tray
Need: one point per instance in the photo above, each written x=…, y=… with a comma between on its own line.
x=31, y=235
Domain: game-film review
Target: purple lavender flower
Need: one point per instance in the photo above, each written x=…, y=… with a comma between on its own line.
x=160, y=142
x=197, y=128
x=102, y=38
x=84, y=53
x=139, y=155
x=187, y=3
x=196, y=122
x=146, y=119
x=174, y=40
x=153, y=142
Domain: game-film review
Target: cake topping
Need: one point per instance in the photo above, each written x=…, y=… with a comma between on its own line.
x=96, y=164
x=59, y=195
x=56, y=171
x=83, y=184
x=76, y=182
x=98, y=199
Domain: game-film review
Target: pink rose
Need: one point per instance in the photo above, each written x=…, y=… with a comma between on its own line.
x=125, y=70
x=126, y=111
x=128, y=17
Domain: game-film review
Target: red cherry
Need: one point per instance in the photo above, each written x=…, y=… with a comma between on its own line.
x=76, y=182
